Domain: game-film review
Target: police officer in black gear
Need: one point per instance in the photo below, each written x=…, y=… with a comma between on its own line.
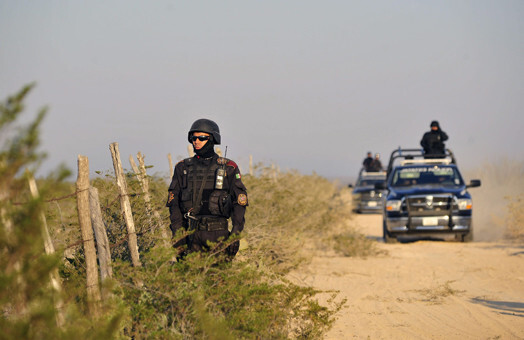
x=433, y=140
x=206, y=190
x=367, y=162
x=376, y=165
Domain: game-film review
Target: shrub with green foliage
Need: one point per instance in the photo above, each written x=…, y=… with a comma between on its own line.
x=209, y=298
x=27, y=299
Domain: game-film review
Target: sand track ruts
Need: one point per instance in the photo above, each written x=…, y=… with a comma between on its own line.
x=424, y=289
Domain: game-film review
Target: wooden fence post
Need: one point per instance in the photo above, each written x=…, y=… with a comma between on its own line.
x=251, y=165
x=171, y=169
x=147, y=198
x=49, y=249
x=102, y=242
x=141, y=175
x=190, y=150
x=125, y=204
x=82, y=199
x=48, y=243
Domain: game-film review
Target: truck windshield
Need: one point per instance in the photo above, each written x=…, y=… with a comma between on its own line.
x=423, y=175
x=366, y=182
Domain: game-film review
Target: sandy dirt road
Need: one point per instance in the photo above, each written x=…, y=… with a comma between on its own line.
x=424, y=289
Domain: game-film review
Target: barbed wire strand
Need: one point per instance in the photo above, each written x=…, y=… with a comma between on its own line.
x=105, y=207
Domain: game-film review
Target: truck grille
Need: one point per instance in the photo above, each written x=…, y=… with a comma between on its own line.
x=371, y=196
x=424, y=205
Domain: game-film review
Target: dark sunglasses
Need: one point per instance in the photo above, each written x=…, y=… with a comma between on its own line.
x=200, y=138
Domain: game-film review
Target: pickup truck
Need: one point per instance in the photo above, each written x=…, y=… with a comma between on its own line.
x=365, y=198
x=426, y=197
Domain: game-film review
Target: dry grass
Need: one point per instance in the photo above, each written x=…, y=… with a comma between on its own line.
x=293, y=216
x=288, y=216
x=436, y=295
x=354, y=244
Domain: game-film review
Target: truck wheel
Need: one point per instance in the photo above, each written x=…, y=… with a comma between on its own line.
x=386, y=235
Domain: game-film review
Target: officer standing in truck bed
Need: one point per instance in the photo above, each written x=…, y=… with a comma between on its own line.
x=433, y=140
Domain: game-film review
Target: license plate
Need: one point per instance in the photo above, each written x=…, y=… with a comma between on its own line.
x=430, y=221
x=372, y=204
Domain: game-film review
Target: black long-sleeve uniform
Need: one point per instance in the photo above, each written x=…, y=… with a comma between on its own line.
x=215, y=205
x=433, y=142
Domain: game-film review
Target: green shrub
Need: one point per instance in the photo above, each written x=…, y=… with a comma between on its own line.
x=27, y=299
x=205, y=296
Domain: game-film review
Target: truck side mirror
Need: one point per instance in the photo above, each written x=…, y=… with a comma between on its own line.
x=473, y=183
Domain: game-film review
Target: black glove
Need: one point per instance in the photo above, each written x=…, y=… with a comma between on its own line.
x=232, y=249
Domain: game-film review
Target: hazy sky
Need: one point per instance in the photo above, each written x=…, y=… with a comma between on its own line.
x=307, y=85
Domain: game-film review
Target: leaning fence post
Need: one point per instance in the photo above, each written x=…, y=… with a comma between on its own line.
x=147, y=198
x=82, y=199
x=141, y=176
x=125, y=205
x=49, y=249
x=102, y=242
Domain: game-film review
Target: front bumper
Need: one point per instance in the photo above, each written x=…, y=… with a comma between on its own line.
x=425, y=224
x=369, y=206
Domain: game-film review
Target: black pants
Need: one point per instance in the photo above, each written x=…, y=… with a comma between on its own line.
x=202, y=237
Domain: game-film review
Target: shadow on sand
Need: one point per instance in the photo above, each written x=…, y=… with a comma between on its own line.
x=503, y=307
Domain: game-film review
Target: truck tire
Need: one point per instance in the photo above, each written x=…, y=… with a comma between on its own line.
x=467, y=237
x=386, y=235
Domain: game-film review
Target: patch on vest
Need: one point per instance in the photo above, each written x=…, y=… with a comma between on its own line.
x=222, y=160
x=242, y=199
x=171, y=197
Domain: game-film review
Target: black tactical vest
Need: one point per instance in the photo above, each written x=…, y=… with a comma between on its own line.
x=213, y=202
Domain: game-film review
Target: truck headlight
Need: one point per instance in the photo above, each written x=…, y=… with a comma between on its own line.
x=393, y=205
x=464, y=204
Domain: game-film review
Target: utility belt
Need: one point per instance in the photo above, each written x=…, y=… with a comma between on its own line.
x=206, y=223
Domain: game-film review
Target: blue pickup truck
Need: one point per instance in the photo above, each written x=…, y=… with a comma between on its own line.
x=365, y=198
x=426, y=196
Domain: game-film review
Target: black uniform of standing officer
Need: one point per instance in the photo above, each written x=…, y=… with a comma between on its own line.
x=433, y=140
x=367, y=162
x=206, y=190
x=376, y=165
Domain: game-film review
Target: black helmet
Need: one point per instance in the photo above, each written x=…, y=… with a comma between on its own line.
x=207, y=126
x=434, y=123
